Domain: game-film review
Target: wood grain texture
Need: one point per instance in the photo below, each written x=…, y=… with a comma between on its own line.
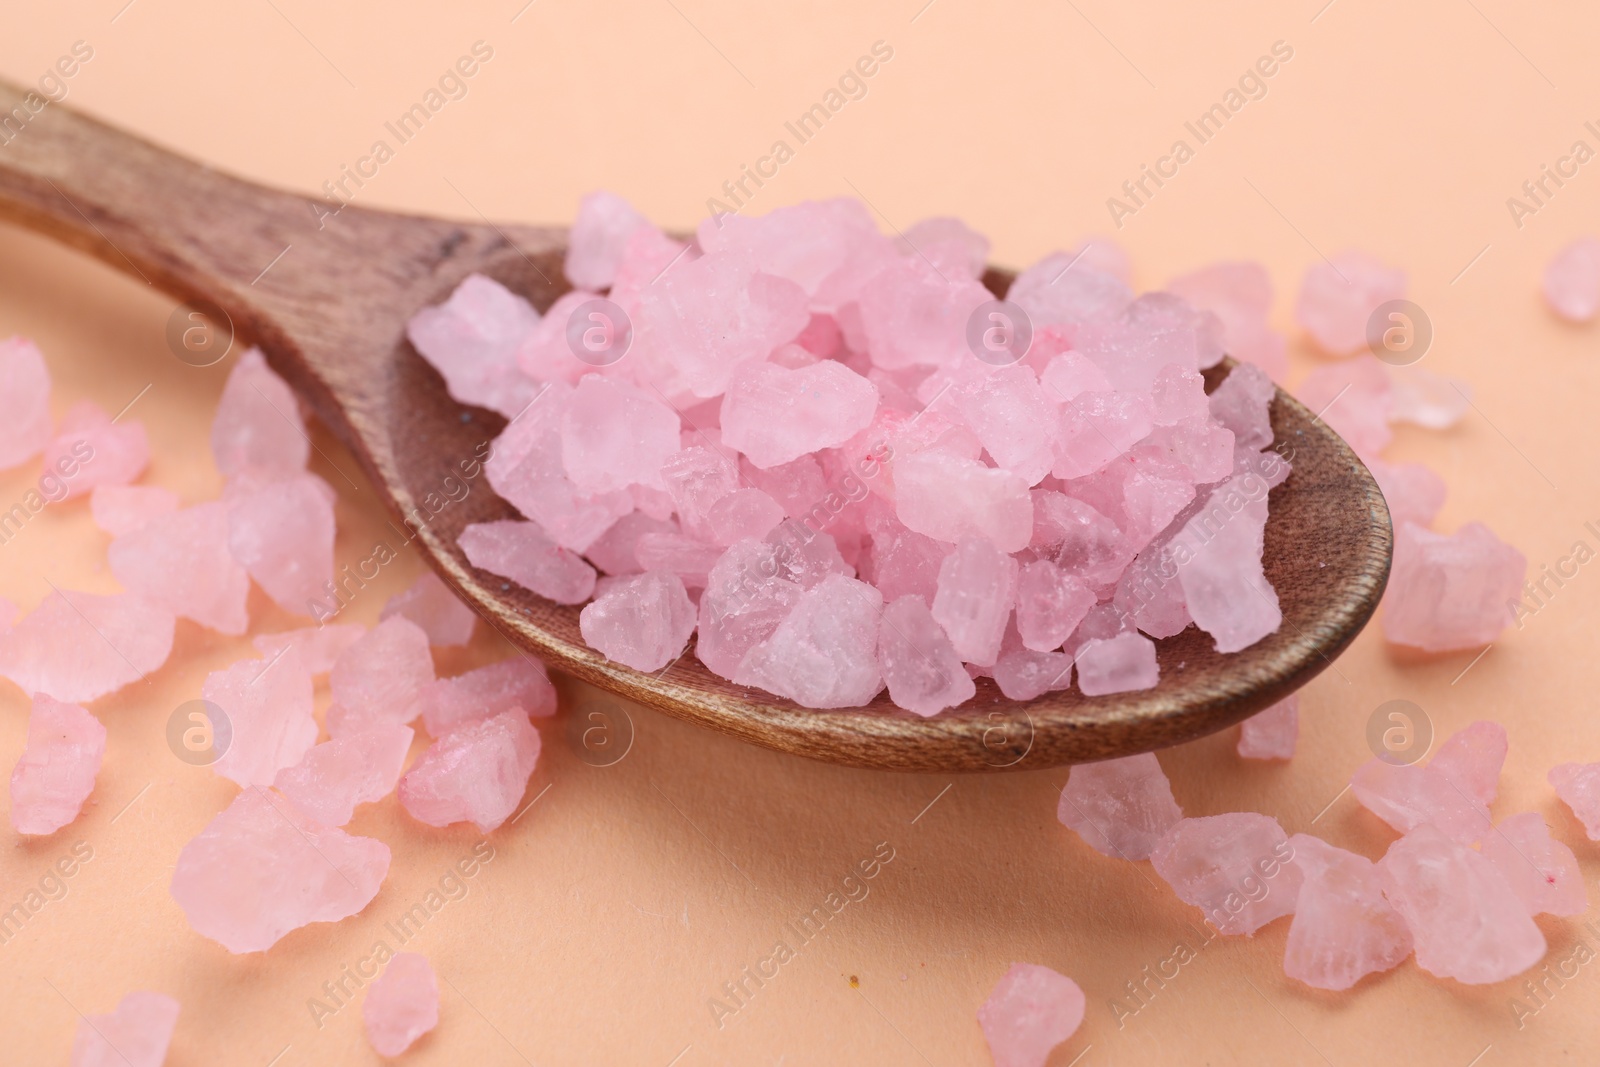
x=327, y=300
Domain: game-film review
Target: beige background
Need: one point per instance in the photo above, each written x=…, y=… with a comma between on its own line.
x=623, y=899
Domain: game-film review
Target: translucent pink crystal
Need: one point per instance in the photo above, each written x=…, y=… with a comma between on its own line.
x=120, y=509
x=950, y=498
x=1423, y=398
x=614, y=435
x=1471, y=760
x=744, y=513
x=1413, y=492
x=521, y=552
x=696, y=478
x=914, y=316
x=1083, y=542
x=258, y=421
x=1236, y=868
x=976, y=590
x=401, y=1005
x=1061, y=288
x=182, y=562
x=476, y=773
x=596, y=242
x=383, y=677
x=818, y=245
x=920, y=665
x=614, y=551
x=1031, y=1011
x=101, y=452
x=281, y=529
x=642, y=621
x=78, y=647
x=57, y=770
x=269, y=717
x=1465, y=919
x=1408, y=795
x=1120, y=664
x=1572, y=281
x=1240, y=295
x=1451, y=592
x=949, y=244
x=136, y=1034
x=1120, y=807
x=824, y=653
x=472, y=341
x=774, y=415
x=1355, y=398
x=24, y=402
x=1343, y=927
x=429, y=603
x=356, y=768
x=1023, y=674
x=1271, y=734
x=1578, y=786
x=319, y=647
x=261, y=869
x=1540, y=870
x=1096, y=428
x=516, y=682
x=1050, y=604
x=747, y=595
x=1012, y=416
x=1243, y=404
x=688, y=558
x=1338, y=296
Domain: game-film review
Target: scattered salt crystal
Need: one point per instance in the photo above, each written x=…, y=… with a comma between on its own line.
x=57, y=770
x=24, y=402
x=402, y=1004
x=472, y=341
x=261, y=869
x=1242, y=404
x=181, y=561
x=78, y=647
x=1471, y=760
x=1236, y=868
x=356, y=768
x=517, y=682
x=920, y=665
x=258, y=421
x=120, y=509
x=1031, y=1010
x=1120, y=664
x=135, y=1034
x=1426, y=399
x=774, y=415
x=1120, y=807
x=950, y=498
x=1343, y=928
x=89, y=450
x=267, y=707
x=383, y=677
x=614, y=435
x=1339, y=295
x=1540, y=870
x=1272, y=733
x=1407, y=796
x=521, y=551
x=1413, y=492
x=1571, y=281
x=976, y=590
x=1240, y=295
x=824, y=653
x=282, y=529
x=598, y=239
x=1451, y=592
x=1578, y=786
x=429, y=603
x=476, y=773
x=1355, y=399
x=318, y=647
x=641, y=621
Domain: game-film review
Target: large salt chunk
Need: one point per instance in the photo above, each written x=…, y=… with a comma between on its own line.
x=1050, y=604
x=516, y=682
x=950, y=498
x=1571, y=281
x=1226, y=592
x=920, y=665
x=1236, y=868
x=696, y=478
x=1343, y=927
x=1413, y=492
x=1060, y=290
x=182, y=562
x=1120, y=664
x=261, y=869
x=1120, y=807
x=282, y=529
x=120, y=509
x=977, y=588
x=1465, y=919
x=903, y=561
x=1355, y=399
x=266, y=706
x=914, y=316
x=357, y=768
x=1096, y=428
x=824, y=653
x=1083, y=542
x=1272, y=733
x=1011, y=415
x=745, y=598
x=57, y=770
x=1471, y=760
x=1450, y=592
x=24, y=402
x=814, y=244
x=1240, y=295
x=1540, y=870
x=1031, y=1010
x=1243, y=405
x=1426, y=399
x=429, y=603
x=1339, y=295
x=1578, y=786
x=1407, y=795
x=616, y=550
x=78, y=647
x=1023, y=674
x=258, y=421
x=476, y=773
x=774, y=415
x=647, y=254
x=136, y=1034
x=688, y=558
x=383, y=677
x=89, y=450
x=744, y=513
x=521, y=552
x=949, y=244
x=402, y=1004
x=319, y=647
x=597, y=240
x=472, y=341
x=641, y=621
x=614, y=435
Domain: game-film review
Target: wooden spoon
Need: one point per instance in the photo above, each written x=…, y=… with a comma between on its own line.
x=327, y=299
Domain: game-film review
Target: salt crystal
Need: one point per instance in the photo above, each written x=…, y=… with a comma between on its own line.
x=572, y=519
x=1339, y=295
x=1471, y=760
x=1451, y=592
x=89, y=450
x=914, y=316
x=403, y=1003
x=1571, y=281
x=673, y=553
x=25, y=408
x=1083, y=542
x=744, y=513
x=1541, y=871
x=1426, y=399
x=811, y=243
x=904, y=561
x=1407, y=796
x=1070, y=375
x=614, y=551
x=696, y=478
x=267, y=707
x=431, y=604
x=774, y=415
x=1224, y=587
x=1578, y=786
x=476, y=773
x=1240, y=295
x=383, y=677
x=517, y=682
x=1272, y=733
x=1060, y=289
x=282, y=531
x=1243, y=403
x=1120, y=664
x=1031, y=1010
x=57, y=770
x=472, y=340
x=78, y=647
x=1413, y=492
x=920, y=665
x=745, y=598
x=646, y=256
x=1466, y=920
x=614, y=435
x=261, y=869
x=258, y=421
x=521, y=552
x=977, y=588
x=1023, y=674
x=120, y=509
x=641, y=621
x=950, y=499
x=824, y=653
x=1236, y=868
x=136, y=1034
x=1096, y=428
x=318, y=647
x=949, y=244
x=356, y=768
x=598, y=238
x=1120, y=807
x=1011, y=415
x=182, y=562
x=1343, y=927
x=1355, y=399
x=1050, y=604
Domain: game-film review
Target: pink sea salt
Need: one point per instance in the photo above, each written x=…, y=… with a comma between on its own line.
x=1413, y=492
x=267, y=707
x=1578, y=786
x=281, y=528
x=1050, y=604
x=1343, y=927
x=598, y=238
x=1407, y=796
x=258, y=422
x=1272, y=733
x=949, y=244
x=476, y=773
x=614, y=435
x=401, y=1005
x=261, y=869
x=1355, y=398
x=1339, y=295
x=1571, y=281
x=824, y=653
x=747, y=595
x=1240, y=295
x=1031, y=1010
x=920, y=665
x=1120, y=664
x=1465, y=919
x=98, y=450
x=1471, y=760
x=521, y=552
x=1540, y=870
x=1061, y=289
x=78, y=647
x=135, y=1034
x=24, y=402
x=182, y=562
x=976, y=590
x=319, y=647
x=383, y=677
x=429, y=603
x=1234, y=867
x=642, y=621
x=949, y=498
x=1011, y=413
x=1120, y=807
x=912, y=315
x=1224, y=587
x=57, y=770
x=356, y=768
x=516, y=682
x=121, y=509
x=744, y=513
x=1426, y=399
x=472, y=341
x=775, y=415
x=1453, y=591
